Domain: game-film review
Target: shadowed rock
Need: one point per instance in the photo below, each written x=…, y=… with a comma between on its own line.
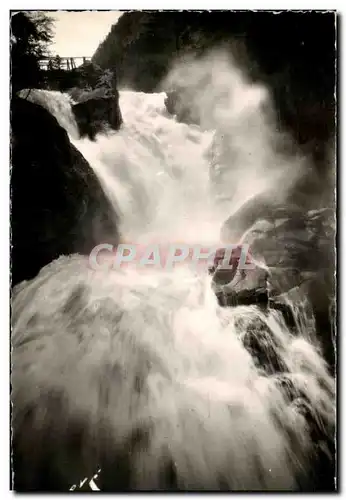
x=235, y=286
x=298, y=249
x=58, y=204
x=97, y=112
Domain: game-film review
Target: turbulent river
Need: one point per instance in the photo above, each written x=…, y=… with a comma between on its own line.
x=153, y=350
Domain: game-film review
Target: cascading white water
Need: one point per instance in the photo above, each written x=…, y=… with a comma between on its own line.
x=59, y=105
x=229, y=394
x=214, y=377
x=156, y=172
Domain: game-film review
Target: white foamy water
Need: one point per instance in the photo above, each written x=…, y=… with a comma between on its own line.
x=156, y=172
x=226, y=392
x=229, y=393
x=247, y=156
x=59, y=105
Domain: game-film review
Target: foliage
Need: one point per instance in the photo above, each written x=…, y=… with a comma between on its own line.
x=106, y=79
x=31, y=35
x=55, y=63
x=88, y=75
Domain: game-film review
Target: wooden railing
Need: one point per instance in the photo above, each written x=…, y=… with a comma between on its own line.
x=66, y=63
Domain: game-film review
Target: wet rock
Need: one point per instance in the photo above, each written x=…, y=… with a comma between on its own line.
x=264, y=348
x=243, y=298
x=97, y=112
x=291, y=243
x=298, y=250
x=308, y=309
x=178, y=103
x=236, y=286
x=261, y=215
x=58, y=204
x=297, y=310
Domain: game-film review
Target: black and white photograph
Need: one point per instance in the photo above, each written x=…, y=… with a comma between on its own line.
x=173, y=251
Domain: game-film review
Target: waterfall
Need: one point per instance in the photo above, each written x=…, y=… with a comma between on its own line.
x=228, y=398
x=58, y=104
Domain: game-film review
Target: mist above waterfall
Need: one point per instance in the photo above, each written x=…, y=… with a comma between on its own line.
x=250, y=155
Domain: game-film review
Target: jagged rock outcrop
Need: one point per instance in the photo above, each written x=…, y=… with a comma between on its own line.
x=58, y=205
x=234, y=285
x=248, y=287
x=96, y=100
x=97, y=111
x=177, y=103
x=298, y=250
x=285, y=50
x=295, y=248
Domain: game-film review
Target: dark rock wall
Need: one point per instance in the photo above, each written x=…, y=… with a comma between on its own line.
x=97, y=113
x=57, y=203
x=293, y=52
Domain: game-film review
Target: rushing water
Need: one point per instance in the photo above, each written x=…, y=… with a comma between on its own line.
x=231, y=398
x=157, y=172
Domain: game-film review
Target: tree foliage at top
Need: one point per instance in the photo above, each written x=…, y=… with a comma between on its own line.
x=31, y=35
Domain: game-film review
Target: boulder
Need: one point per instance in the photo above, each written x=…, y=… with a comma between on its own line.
x=264, y=211
x=293, y=243
x=58, y=205
x=298, y=250
x=97, y=112
x=178, y=103
x=238, y=294
x=235, y=286
x=295, y=248
x=309, y=309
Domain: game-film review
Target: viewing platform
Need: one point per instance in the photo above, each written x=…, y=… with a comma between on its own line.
x=65, y=63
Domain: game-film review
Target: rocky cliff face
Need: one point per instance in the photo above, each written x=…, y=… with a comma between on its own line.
x=295, y=257
x=58, y=204
x=96, y=114
x=97, y=108
x=285, y=51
